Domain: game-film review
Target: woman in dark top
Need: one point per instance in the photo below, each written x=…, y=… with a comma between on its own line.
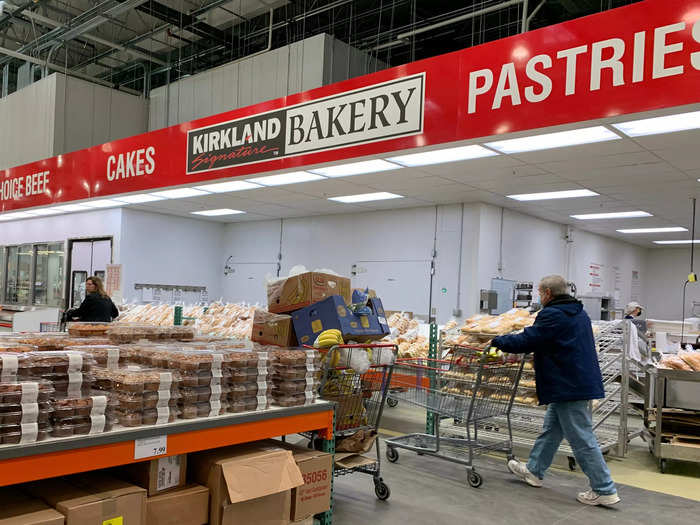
x=97, y=306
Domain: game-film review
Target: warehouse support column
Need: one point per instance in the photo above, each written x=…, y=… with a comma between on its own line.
x=432, y=361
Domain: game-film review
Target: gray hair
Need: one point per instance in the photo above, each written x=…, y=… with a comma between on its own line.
x=556, y=283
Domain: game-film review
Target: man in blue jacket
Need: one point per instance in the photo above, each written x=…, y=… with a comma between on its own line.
x=568, y=377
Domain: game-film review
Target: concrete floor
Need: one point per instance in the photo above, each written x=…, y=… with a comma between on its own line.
x=426, y=490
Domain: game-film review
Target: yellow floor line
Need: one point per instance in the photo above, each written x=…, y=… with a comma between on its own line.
x=391, y=432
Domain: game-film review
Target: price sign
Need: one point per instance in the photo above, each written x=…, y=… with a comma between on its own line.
x=150, y=447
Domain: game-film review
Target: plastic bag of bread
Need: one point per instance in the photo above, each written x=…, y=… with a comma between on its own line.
x=692, y=359
x=673, y=362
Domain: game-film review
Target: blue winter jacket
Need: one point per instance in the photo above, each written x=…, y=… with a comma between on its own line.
x=566, y=362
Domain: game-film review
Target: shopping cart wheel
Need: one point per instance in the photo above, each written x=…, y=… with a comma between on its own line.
x=392, y=402
x=662, y=466
x=392, y=454
x=474, y=478
x=381, y=489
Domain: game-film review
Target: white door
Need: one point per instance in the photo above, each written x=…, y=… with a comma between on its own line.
x=88, y=258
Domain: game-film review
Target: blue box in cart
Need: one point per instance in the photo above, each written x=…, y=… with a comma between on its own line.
x=332, y=312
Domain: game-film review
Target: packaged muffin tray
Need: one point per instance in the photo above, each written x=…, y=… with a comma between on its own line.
x=294, y=386
x=294, y=357
x=24, y=392
x=96, y=403
x=131, y=332
x=201, y=394
x=293, y=400
x=17, y=414
x=248, y=390
x=207, y=409
x=7, y=347
x=24, y=433
x=82, y=425
x=291, y=372
x=107, y=356
x=151, y=416
x=86, y=341
x=249, y=404
x=136, y=380
x=87, y=329
x=43, y=342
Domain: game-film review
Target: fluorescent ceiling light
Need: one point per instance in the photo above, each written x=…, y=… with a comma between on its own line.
x=16, y=215
x=139, y=198
x=356, y=168
x=225, y=187
x=615, y=215
x=560, y=139
x=656, y=125
x=567, y=194
x=103, y=203
x=180, y=193
x=287, y=178
x=366, y=197
x=215, y=213
x=655, y=230
x=71, y=207
x=443, y=155
x=696, y=241
x=46, y=211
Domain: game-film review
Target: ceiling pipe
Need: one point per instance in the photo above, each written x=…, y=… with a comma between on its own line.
x=532, y=15
x=97, y=40
x=403, y=38
x=56, y=67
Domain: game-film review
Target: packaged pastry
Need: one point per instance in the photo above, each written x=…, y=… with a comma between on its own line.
x=24, y=433
x=294, y=386
x=87, y=329
x=82, y=425
x=161, y=398
x=201, y=394
x=96, y=403
x=199, y=360
x=136, y=379
x=296, y=371
x=11, y=364
x=17, y=414
x=14, y=348
x=23, y=392
x=59, y=362
x=43, y=341
x=160, y=416
x=86, y=341
x=108, y=356
x=245, y=375
x=240, y=359
x=208, y=409
x=295, y=357
x=72, y=384
x=244, y=390
x=249, y=404
x=292, y=400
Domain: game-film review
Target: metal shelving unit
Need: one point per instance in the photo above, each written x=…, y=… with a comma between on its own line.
x=64, y=456
x=624, y=381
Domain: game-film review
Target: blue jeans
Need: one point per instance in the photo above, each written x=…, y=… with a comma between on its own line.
x=571, y=420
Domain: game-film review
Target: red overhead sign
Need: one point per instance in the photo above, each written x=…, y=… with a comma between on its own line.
x=636, y=58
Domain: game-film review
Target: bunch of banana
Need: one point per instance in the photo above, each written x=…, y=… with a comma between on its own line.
x=329, y=338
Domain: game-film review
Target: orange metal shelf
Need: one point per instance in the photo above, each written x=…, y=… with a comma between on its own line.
x=85, y=457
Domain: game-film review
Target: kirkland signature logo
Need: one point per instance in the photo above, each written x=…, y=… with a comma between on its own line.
x=384, y=111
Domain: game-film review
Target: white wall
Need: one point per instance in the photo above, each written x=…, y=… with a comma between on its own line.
x=58, y=228
x=27, y=119
x=667, y=270
x=59, y=114
x=304, y=65
x=164, y=249
x=89, y=114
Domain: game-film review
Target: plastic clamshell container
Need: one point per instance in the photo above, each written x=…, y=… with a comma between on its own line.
x=13, y=414
x=43, y=341
x=23, y=392
x=136, y=379
x=15, y=348
x=249, y=404
x=293, y=400
x=60, y=362
x=198, y=360
x=24, y=433
x=87, y=329
x=295, y=372
x=295, y=386
x=245, y=390
x=95, y=403
x=108, y=356
x=83, y=341
x=295, y=357
x=77, y=426
x=245, y=375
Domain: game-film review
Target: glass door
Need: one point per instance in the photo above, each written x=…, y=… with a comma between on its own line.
x=87, y=257
x=49, y=280
x=19, y=274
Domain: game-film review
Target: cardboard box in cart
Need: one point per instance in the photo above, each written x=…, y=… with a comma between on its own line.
x=333, y=312
x=248, y=483
x=273, y=329
x=298, y=291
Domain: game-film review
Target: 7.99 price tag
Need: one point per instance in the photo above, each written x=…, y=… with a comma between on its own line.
x=150, y=447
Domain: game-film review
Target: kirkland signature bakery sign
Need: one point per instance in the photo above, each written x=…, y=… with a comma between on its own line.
x=383, y=111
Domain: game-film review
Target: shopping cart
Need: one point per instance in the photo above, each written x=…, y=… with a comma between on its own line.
x=360, y=399
x=470, y=388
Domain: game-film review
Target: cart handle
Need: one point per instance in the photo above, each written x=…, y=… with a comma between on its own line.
x=382, y=345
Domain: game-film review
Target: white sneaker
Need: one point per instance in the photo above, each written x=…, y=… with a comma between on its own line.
x=520, y=470
x=593, y=498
